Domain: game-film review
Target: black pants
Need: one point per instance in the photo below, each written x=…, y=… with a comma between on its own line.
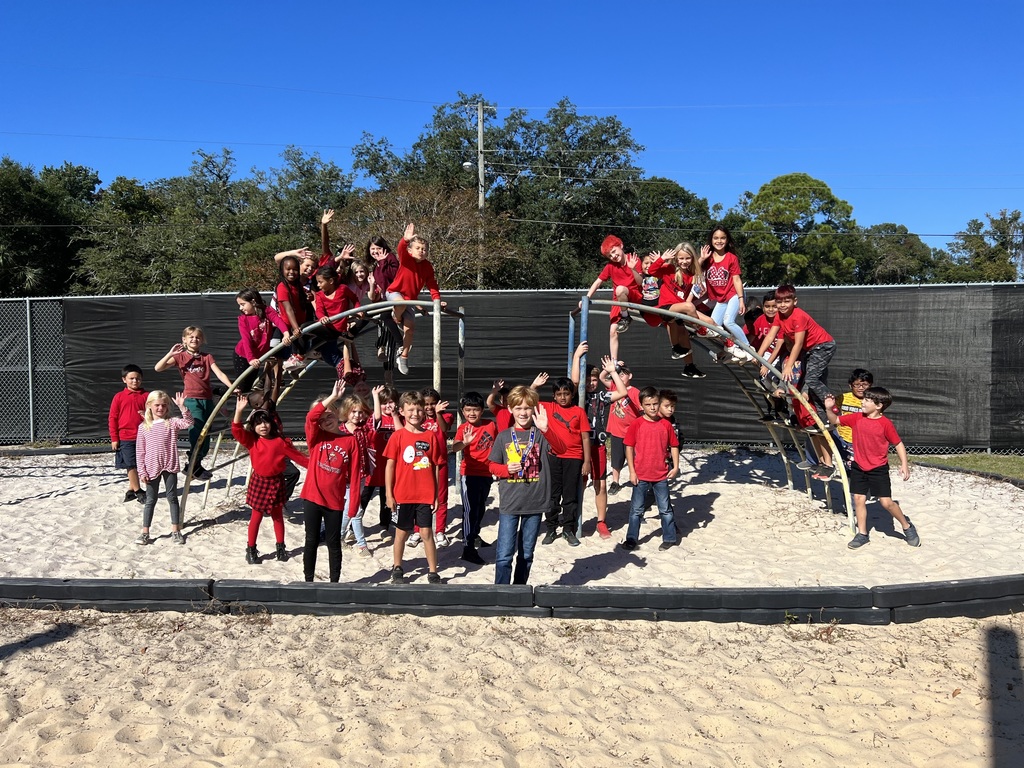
x=291, y=479
x=385, y=511
x=313, y=515
x=565, y=483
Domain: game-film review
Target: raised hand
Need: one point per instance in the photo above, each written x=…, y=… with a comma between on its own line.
x=705, y=252
x=179, y=400
x=539, y=380
x=327, y=216
x=468, y=434
x=410, y=231
x=347, y=251
x=540, y=417
x=632, y=260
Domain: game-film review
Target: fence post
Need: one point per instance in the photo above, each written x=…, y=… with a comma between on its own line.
x=437, y=344
x=31, y=386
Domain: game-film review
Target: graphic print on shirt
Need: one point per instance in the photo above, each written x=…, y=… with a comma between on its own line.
x=717, y=276
x=650, y=288
x=195, y=366
x=328, y=458
x=417, y=455
x=531, y=463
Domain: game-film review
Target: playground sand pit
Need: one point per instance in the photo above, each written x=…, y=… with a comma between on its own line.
x=86, y=688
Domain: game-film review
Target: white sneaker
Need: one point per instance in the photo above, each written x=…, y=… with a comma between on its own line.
x=737, y=354
x=441, y=540
x=403, y=365
x=294, y=363
x=414, y=540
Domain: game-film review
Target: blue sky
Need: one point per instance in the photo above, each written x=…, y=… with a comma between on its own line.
x=910, y=111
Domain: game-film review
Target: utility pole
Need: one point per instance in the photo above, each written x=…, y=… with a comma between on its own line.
x=480, y=193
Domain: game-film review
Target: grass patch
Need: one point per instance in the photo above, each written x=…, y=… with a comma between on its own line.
x=1008, y=466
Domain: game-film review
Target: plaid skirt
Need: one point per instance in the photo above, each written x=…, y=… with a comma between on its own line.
x=265, y=494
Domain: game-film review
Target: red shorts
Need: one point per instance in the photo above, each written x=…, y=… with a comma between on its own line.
x=598, y=461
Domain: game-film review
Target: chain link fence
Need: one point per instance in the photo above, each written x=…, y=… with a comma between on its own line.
x=33, y=393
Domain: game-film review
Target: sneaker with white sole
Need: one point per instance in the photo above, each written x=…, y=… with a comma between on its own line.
x=177, y=537
x=441, y=540
x=623, y=325
x=414, y=540
x=143, y=539
x=402, y=363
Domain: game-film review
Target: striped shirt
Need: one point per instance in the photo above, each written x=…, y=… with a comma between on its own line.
x=156, y=448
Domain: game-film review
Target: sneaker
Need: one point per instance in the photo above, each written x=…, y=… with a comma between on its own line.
x=824, y=473
x=623, y=325
x=691, y=371
x=414, y=540
x=252, y=557
x=363, y=552
x=130, y=496
x=858, y=541
x=350, y=539
x=403, y=365
x=202, y=474
x=143, y=539
x=667, y=545
x=910, y=534
x=397, y=575
x=441, y=539
x=478, y=543
x=382, y=354
x=550, y=538
x=281, y=553
x=629, y=545
x=602, y=530
x=716, y=357
x=294, y=364
x=433, y=578
x=470, y=555
x=614, y=488
x=570, y=538
x=805, y=465
x=177, y=537
x=767, y=418
x=140, y=496
x=678, y=353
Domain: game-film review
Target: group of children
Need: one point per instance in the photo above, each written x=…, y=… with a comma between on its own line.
x=541, y=454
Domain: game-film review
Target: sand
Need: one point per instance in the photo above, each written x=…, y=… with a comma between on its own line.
x=86, y=688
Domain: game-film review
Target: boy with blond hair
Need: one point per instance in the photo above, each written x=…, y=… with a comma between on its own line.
x=414, y=273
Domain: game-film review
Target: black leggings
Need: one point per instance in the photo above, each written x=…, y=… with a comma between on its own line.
x=313, y=515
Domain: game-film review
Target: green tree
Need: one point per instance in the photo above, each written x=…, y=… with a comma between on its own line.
x=891, y=254
x=980, y=255
x=41, y=216
x=798, y=232
x=299, y=190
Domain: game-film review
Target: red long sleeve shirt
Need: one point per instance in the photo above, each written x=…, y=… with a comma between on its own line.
x=413, y=275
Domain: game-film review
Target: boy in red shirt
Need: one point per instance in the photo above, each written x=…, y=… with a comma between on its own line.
x=475, y=438
x=622, y=413
x=620, y=270
x=647, y=441
x=126, y=411
x=873, y=433
x=414, y=273
x=569, y=422
x=808, y=342
x=414, y=458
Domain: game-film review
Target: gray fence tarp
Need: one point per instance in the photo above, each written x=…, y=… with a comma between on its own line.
x=952, y=356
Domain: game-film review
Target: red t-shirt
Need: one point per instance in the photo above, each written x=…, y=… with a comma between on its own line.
x=431, y=425
x=797, y=321
x=328, y=306
x=382, y=432
x=651, y=441
x=761, y=326
x=413, y=275
x=333, y=466
x=195, y=373
x=871, y=439
x=416, y=456
x=624, y=412
x=295, y=295
x=267, y=454
x=719, y=277
x=620, y=274
x=126, y=414
x=674, y=292
x=569, y=424
x=502, y=417
x=475, y=456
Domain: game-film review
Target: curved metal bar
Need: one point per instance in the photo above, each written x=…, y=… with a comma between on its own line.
x=585, y=309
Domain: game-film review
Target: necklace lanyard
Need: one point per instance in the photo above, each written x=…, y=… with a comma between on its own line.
x=519, y=449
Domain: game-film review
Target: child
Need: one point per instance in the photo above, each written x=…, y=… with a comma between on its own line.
x=647, y=440
x=123, y=422
x=294, y=305
x=814, y=346
x=623, y=412
x=597, y=400
x=256, y=324
x=354, y=413
x=266, y=400
x=667, y=400
x=474, y=438
x=497, y=402
x=414, y=273
x=436, y=420
x=414, y=458
x=677, y=296
x=266, y=493
x=860, y=380
x=619, y=270
x=333, y=481
x=333, y=298
x=385, y=267
x=569, y=421
x=724, y=287
x=156, y=455
x=195, y=367
x=521, y=461
x=873, y=433
x=383, y=429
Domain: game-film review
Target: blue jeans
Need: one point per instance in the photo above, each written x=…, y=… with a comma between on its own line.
x=724, y=314
x=636, y=510
x=517, y=534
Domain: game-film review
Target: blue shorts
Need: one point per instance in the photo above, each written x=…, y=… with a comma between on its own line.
x=124, y=456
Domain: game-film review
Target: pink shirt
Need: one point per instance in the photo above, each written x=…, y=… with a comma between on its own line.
x=156, y=448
